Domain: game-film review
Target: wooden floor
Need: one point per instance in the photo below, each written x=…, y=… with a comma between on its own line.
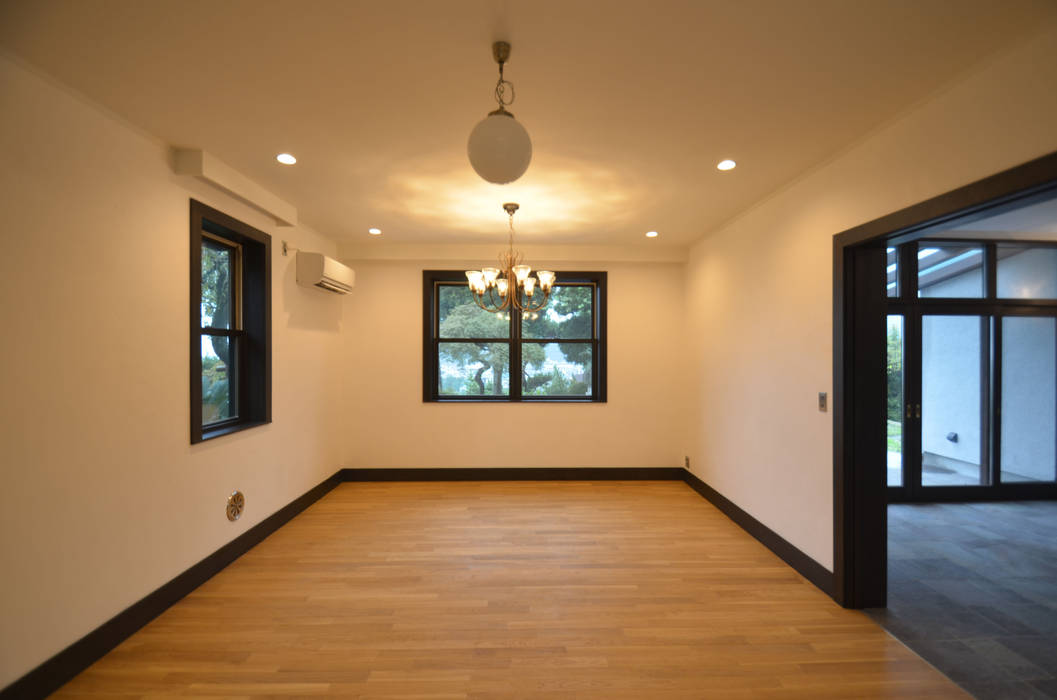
x=511, y=590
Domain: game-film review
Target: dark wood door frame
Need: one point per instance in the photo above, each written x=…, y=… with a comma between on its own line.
x=859, y=304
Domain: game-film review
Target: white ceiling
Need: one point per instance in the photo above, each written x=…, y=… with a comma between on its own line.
x=1036, y=221
x=629, y=104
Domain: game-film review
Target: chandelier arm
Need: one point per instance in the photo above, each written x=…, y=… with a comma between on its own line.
x=542, y=303
x=505, y=301
x=491, y=305
x=478, y=300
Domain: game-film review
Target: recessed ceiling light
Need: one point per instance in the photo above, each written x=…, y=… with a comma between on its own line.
x=651, y=234
x=286, y=159
x=375, y=231
x=727, y=164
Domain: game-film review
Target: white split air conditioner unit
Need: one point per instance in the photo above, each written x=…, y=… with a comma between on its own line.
x=317, y=270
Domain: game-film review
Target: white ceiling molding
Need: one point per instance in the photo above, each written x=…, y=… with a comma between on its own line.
x=208, y=168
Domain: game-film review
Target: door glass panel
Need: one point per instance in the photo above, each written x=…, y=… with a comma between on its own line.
x=1026, y=273
x=892, y=272
x=896, y=400
x=950, y=270
x=1029, y=398
x=951, y=394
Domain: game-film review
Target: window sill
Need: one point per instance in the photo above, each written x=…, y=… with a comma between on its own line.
x=533, y=400
x=228, y=429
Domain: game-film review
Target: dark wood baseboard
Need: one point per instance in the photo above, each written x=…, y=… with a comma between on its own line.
x=516, y=474
x=56, y=671
x=59, y=669
x=802, y=563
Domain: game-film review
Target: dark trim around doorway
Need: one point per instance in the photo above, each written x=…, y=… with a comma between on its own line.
x=859, y=501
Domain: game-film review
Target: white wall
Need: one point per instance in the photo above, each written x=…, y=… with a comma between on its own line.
x=950, y=395
x=759, y=289
x=641, y=425
x=103, y=499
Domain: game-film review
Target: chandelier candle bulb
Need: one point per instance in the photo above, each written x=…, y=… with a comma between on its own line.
x=546, y=278
x=502, y=287
x=476, y=280
x=530, y=285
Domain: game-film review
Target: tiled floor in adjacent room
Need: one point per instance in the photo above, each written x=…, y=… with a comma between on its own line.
x=972, y=588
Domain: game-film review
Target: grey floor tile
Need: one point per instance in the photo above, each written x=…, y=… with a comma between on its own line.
x=959, y=662
x=1006, y=691
x=972, y=588
x=1010, y=625
x=1015, y=665
x=1048, y=688
x=1041, y=651
x=972, y=591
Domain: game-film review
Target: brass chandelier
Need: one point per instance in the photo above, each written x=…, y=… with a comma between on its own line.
x=510, y=286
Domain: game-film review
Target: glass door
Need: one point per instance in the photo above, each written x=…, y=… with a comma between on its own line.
x=951, y=413
x=1027, y=407
x=896, y=400
x=971, y=371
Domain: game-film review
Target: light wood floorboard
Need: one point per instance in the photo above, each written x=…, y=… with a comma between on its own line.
x=459, y=590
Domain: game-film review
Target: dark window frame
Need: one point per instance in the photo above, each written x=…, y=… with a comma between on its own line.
x=251, y=331
x=992, y=311
x=433, y=279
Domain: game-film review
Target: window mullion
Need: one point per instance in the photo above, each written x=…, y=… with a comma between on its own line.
x=515, y=354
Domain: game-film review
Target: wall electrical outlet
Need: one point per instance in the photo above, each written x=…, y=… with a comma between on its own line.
x=822, y=401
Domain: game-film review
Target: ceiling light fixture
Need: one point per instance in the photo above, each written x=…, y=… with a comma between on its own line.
x=509, y=286
x=727, y=164
x=375, y=231
x=651, y=234
x=499, y=147
x=286, y=159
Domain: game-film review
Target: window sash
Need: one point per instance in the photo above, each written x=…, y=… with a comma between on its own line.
x=234, y=279
x=243, y=388
x=516, y=344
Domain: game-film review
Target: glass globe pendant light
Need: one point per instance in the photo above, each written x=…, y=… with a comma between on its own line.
x=499, y=147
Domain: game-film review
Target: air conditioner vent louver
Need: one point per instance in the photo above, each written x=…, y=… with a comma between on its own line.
x=333, y=287
x=317, y=270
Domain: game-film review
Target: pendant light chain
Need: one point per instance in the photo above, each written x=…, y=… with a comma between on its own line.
x=510, y=230
x=501, y=88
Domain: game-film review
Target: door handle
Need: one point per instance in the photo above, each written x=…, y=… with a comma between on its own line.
x=909, y=406
x=919, y=411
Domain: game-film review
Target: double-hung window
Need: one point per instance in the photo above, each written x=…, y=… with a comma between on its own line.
x=230, y=324
x=555, y=354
